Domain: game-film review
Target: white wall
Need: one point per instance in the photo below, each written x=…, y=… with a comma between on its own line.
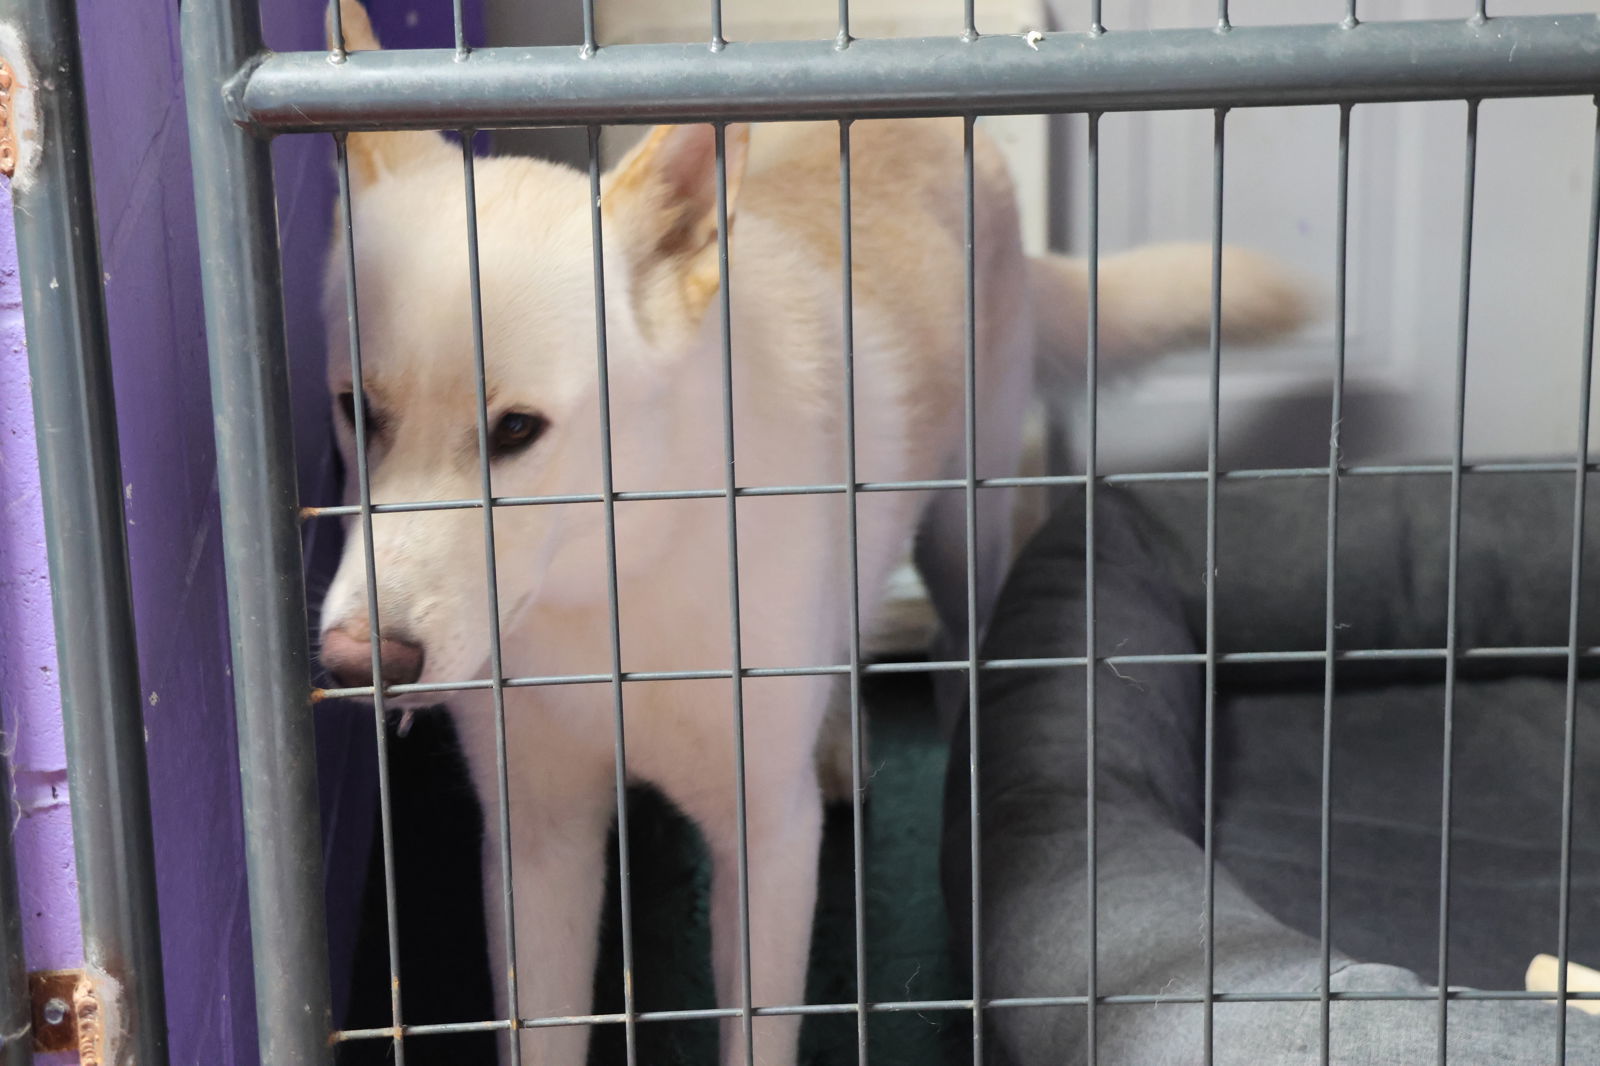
x=1534, y=161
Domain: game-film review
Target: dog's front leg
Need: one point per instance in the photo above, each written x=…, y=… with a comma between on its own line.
x=784, y=832
x=561, y=809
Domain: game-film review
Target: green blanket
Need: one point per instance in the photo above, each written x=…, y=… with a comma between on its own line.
x=908, y=955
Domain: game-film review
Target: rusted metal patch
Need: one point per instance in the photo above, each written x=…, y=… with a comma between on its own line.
x=55, y=1022
x=8, y=131
x=20, y=143
x=92, y=1028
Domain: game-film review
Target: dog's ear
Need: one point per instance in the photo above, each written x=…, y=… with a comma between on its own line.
x=662, y=198
x=372, y=155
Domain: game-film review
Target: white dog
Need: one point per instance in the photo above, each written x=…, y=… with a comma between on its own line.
x=665, y=343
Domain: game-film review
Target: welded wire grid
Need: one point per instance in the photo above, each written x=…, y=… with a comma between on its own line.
x=1574, y=652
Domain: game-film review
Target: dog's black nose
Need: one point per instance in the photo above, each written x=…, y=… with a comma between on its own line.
x=348, y=657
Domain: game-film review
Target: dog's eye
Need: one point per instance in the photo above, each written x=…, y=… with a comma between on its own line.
x=347, y=408
x=515, y=431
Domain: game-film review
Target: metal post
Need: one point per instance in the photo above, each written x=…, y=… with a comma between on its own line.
x=261, y=539
x=16, y=1013
x=80, y=474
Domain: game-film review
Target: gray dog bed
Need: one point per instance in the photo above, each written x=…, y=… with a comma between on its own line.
x=1388, y=743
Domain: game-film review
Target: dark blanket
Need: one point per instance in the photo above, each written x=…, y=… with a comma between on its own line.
x=1387, y=755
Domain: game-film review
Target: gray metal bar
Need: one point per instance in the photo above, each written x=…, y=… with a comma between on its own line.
x=1237, y=658
x=1091, y=638
x=336, y=48
x=491, y=597
x=1330, y=628
x=608, y=493
x=1468, y=995
x=1213, y=435
x=970, y=451
x=80, y=473
x=1580, y=495
x=391, y=909
x=16, y=1013
x=735, y=625
x=242, y=283
x=1453, y=575
x=1044, y=481
x=1127, y=70
x=852, y=529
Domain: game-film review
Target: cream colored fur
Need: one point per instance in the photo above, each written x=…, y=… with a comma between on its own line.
x=665, y=359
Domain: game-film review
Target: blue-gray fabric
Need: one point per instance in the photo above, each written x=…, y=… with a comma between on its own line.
x=1386, y=783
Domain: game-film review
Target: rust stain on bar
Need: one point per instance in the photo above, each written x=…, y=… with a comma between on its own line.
x=55, y=1023
x=8, y=131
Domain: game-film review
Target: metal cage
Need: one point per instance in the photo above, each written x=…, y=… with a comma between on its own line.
x=240, y=97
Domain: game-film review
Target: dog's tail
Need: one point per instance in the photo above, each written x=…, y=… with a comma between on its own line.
x=1157, y=299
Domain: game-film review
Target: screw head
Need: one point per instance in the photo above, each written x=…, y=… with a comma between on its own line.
x=55, y=1011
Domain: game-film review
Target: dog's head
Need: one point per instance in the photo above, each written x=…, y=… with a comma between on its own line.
x=418, y=344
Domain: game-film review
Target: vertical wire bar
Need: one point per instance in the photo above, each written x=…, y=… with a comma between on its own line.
x=379, y=711
x=1452, y=580
x=80, y=481
x=1213, y=432
x=969, y=29
x=609, y=502
x=589, y=43
x=1222, y=15
x=1580, y=491
x=717, y=40
x=736, y=638
x=1097, y=25
x=1350, y=17
x=336, y=23
x=843, y=38
x=458, y=17
x=857, y=815
x=236, y=224
x=970, y=391
x=1091, y=646
x=492, y=588
x=1330, y=625
x=1482, y=14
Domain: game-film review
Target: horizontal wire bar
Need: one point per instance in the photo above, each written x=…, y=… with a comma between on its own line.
x=497, y=88
x=948, y=484
x=1316, y=655
x=930, y=1005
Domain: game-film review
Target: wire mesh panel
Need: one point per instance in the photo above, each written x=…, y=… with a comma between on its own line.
x=382, y=109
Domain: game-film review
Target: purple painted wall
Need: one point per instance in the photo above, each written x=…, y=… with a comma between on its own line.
x=29, y=701
x=147, y=232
